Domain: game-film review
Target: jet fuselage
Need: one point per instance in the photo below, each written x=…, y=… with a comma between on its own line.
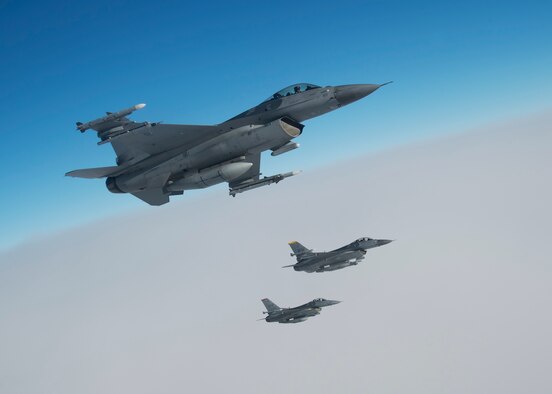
x=299, y=313
x=168, y=159
x=343, y=257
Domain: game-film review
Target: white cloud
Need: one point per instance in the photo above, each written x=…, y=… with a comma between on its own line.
x=166, y=300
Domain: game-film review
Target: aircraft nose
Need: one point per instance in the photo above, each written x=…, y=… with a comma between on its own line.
x=332, y=302
x=384, y=241
x=346, y=94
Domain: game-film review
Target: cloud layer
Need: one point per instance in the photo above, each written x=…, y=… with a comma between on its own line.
x=166, y=300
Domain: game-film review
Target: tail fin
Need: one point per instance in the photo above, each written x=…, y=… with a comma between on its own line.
x=299, y=250
x=270, y=306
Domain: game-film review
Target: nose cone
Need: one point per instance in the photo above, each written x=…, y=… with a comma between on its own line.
x=329, y=302
x=382, y=242
x=346, y=94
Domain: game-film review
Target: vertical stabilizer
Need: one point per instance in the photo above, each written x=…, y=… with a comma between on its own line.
x=270, y=306
x=299, y=250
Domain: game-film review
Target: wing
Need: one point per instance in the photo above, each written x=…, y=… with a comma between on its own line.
x=152, y=139
x=134, y=141
x=345, y=257
x=301, y=313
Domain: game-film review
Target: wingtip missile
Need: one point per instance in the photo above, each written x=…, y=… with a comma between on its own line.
x=110, y=117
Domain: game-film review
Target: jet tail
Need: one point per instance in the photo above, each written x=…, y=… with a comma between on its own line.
x=299, y=250
x=270, y=306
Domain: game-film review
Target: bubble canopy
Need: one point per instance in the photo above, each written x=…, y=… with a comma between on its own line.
x=364, y=239
x=292, y=89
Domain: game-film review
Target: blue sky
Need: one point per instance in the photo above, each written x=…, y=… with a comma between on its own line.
x=455, y=66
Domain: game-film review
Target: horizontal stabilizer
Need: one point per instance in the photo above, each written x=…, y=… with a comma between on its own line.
x=91, y=173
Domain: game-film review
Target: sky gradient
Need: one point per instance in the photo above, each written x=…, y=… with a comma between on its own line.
x=455, y=66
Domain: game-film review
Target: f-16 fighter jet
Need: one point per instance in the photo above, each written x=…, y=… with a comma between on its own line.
x=297, y=314
x=157, y=160
x=348, y=255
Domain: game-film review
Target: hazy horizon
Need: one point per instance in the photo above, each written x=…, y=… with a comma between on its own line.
x=165, y=299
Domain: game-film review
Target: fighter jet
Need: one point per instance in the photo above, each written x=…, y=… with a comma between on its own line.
x=156, y=160
x=351, y=254
x=297, y=314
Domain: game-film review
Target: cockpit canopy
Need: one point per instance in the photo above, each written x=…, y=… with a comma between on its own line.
x=319, y=299
x=364, y=239
x=292, y=89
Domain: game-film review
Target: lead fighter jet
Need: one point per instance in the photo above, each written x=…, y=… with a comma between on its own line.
x=348, y=255
x=156, y=160
x=297, y=314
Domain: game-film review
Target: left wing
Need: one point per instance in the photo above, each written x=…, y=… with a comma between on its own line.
x=153, y=138
x=302, y=313
x=134, y=141
x=343, y=258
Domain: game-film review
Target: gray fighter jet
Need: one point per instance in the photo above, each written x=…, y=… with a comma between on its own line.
x=351, y=254
x=297, y=314
x=157, y=160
